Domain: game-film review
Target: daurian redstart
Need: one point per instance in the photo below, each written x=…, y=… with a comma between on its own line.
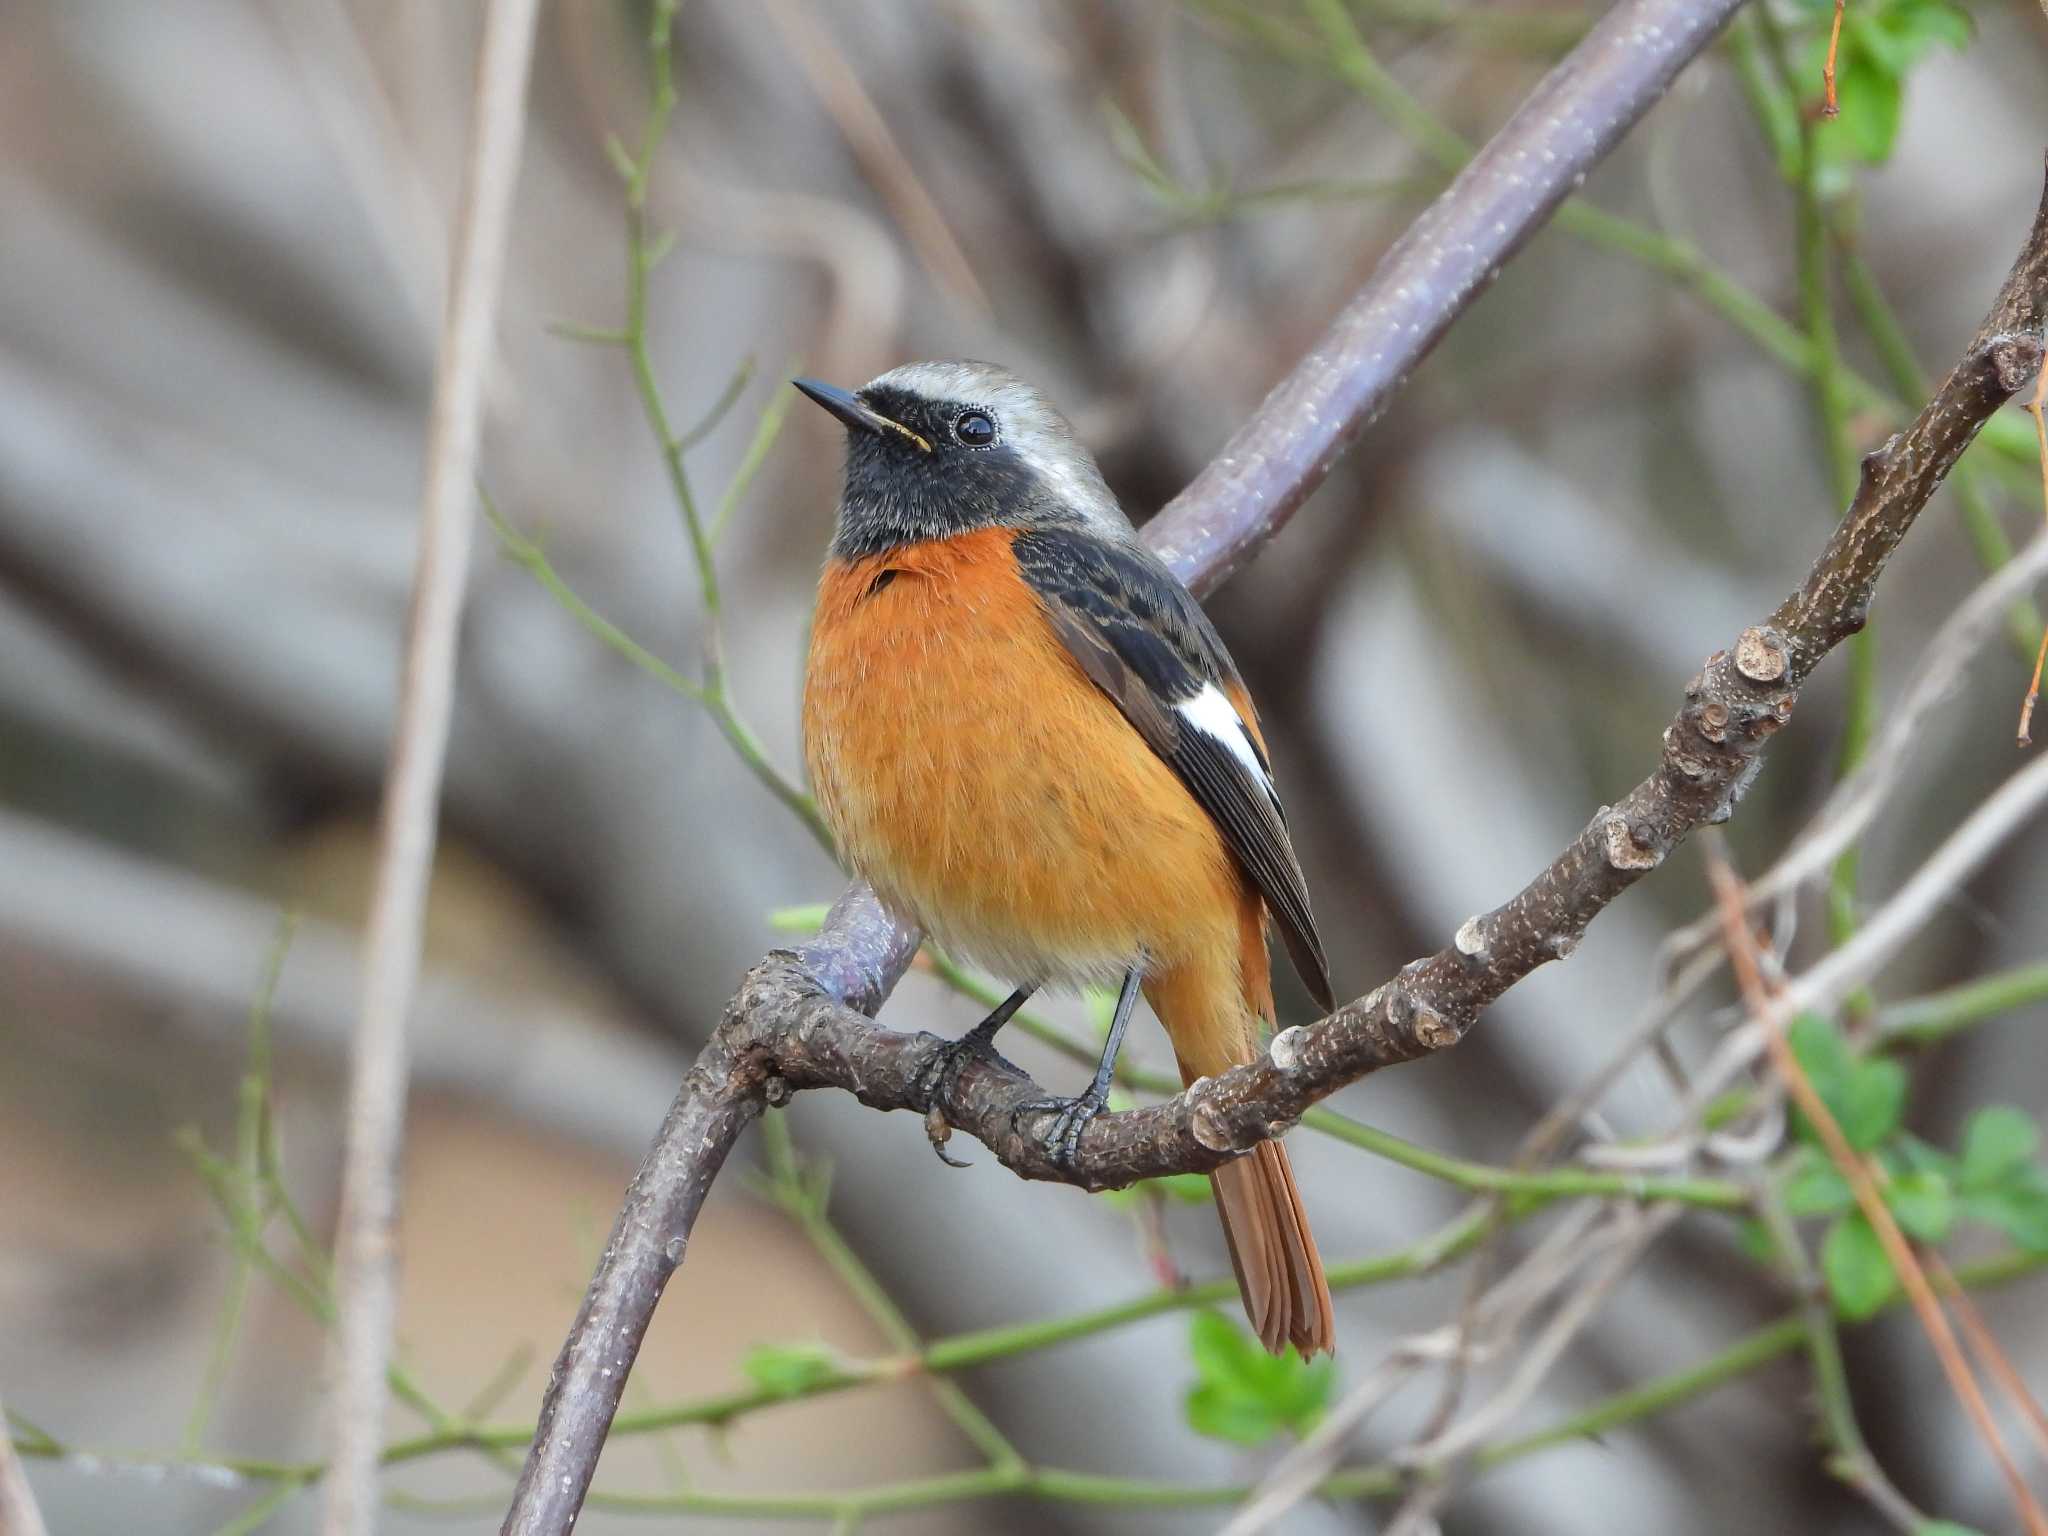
x=1027, y=736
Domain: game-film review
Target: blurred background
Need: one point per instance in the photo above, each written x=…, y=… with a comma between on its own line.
x=223, y=237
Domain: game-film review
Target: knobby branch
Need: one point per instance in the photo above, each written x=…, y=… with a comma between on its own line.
x=803, y=1017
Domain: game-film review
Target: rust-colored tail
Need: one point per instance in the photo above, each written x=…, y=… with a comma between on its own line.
x=1210, y=1007
x=1279, y=1272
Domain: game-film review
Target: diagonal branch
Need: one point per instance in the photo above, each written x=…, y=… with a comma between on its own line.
x=786, y=1025
x=802, y=1018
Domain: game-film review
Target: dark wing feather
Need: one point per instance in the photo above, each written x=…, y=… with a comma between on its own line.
x=1144, y=640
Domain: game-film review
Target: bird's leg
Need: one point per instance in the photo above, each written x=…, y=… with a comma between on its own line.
x=935, y=1082
x=1071, y=1116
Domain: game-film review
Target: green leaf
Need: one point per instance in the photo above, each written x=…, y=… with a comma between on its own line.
x=1923, y=1204
x=1823, y=1055
x=1907, y=1153
x=2018, y=1208
x=1244, y=1395
x=790, y=1370
x=1859, y=1275
x=1944, y=1528
x=1872, y=101
x=1865, y=1097
x=1816, y=1187
x=1871, y=1102
x=1997, y=1142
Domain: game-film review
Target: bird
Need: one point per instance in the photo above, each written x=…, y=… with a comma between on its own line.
x=1027, y=737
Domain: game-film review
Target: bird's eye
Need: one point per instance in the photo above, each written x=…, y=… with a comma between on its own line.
x=975, y=429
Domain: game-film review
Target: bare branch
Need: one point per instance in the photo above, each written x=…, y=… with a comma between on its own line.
x=366, y=1284
x=801, y=1018
x=1740, y=699
x=820, y=994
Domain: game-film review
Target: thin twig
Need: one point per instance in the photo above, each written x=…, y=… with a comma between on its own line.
x=391, y=950
x=1862, y=1178
x=1829, y=106
x=2035, y=407
x=881, y=158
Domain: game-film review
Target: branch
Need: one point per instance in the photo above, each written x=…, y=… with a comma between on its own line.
x=822, y=994
x=18, y=1513
x=366, y=1283
x=1712, y=750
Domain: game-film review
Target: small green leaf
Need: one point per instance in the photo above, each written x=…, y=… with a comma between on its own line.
x=1872, y=102
x=1244, y=1395
x=790, y=1370
x=1816, y=1187
x=1859, y=1275
x=1944, y=1528
x=1871, y=1102
x=1907, y=1153
x=1997, y=1142
x=2018, y=1208
x=1823, y=1055
x=1923, y=1204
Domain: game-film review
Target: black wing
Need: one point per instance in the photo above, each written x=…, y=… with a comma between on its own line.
x=1144, y=640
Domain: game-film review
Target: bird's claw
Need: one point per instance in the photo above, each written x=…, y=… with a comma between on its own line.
x=934, y=1085
x=1062, y=1138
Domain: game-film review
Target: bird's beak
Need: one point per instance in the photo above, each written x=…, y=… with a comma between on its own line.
x=844, y=404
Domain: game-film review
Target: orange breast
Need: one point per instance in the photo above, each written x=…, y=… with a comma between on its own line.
x=988, y=789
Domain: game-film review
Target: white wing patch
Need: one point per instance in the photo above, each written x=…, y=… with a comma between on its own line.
x=1212, y=713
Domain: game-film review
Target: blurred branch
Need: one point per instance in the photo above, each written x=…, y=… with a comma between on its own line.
x=820, y=992
x=644, y=251
x=1865, y=1176
x=1932, y=1019
x=366, y=1279
x=19, y=1515
x=1339, y=49
x=874, y=147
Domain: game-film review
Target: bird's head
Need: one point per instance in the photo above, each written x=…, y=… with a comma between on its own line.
x=936, y=449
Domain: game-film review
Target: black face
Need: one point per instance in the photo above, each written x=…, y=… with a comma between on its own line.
x=898, y=493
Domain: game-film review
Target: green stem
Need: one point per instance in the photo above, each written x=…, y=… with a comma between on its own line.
x=804, y=1200
x=1931, y=1019
x=1746, y=1354
x=1340, y=51
x=1775, y=98
x=248, y=1214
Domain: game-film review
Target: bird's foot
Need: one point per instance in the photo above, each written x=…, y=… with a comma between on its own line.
x=1061, y=1138
x=939, y=1077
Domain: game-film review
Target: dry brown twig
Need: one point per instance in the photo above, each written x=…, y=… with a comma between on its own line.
x=366, y=1289
x=1864, y=1178
x=2038, y=408
x=1829, y=106
x=801, y=1018
x=874, y=146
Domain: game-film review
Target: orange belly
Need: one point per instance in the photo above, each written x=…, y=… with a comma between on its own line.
x=986, y=788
